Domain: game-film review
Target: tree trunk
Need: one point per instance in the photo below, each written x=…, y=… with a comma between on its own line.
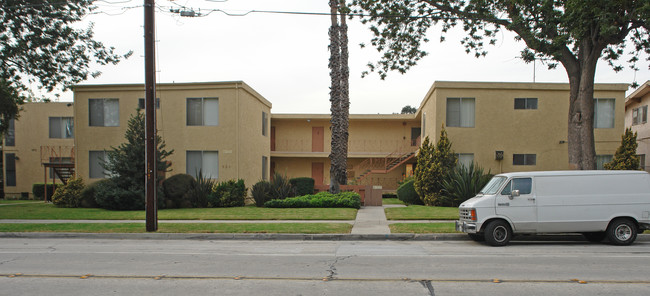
x=345, y=102
x=581, y=73
x=335, y=97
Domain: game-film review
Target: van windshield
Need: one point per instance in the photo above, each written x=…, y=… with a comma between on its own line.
x=493, y=186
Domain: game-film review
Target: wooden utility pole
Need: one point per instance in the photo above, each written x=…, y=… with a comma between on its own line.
x=150, y=115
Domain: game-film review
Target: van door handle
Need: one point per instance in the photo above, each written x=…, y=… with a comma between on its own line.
x=531, y=199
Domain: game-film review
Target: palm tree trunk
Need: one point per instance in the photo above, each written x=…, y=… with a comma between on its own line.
x=335, y=88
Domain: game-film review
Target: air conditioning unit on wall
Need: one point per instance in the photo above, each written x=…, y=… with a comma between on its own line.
x=498, y=155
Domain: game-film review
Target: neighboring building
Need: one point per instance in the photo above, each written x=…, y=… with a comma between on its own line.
x=509, y=127
x=218, y=128
x=43, y=134
x=636, y=117
x=226, y=130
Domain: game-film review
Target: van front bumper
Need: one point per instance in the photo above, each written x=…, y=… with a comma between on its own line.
x=465, y=227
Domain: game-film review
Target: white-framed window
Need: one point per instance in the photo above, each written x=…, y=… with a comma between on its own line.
x=61, y=128
x=604, y=113
x=264, y=124
x=601, y=160
x=526, y=103
x=104, y=112
x=141, y=103
x=524, y=159
x=460, y=112
x=465, y=159
x=206, y=162
x=96, y=159
x=265, y=168
x=202, y=111
x=640, y=115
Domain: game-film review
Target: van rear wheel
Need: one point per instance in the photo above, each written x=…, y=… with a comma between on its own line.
x=498, y=233
x=621, y=232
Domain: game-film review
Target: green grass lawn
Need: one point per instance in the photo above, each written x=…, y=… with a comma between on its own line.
x=9, y=202
x=39, y=210
x=307, y=228
x=421, y=213
x=391, y=201
x=422, y=228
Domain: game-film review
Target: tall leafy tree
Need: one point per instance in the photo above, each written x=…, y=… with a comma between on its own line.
x=573, y=33
x=339, y=96
x=433, y=165
x=39, y=45
x=625, y=157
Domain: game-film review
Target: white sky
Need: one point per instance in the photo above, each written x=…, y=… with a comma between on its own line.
x=284, y=57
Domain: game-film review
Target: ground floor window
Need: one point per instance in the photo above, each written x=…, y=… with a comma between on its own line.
x=10, y=169
x=524, y=159
x=465, y=159
x=601, y=160
x=96, y=161
x=205, y=162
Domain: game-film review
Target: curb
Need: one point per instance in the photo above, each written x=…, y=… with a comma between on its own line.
x=288, y=237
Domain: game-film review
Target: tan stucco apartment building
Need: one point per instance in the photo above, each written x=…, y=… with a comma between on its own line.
x=226, y=130
x=636, y=117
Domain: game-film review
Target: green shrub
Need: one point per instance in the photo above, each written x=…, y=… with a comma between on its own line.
x=69, y=195
x=88, y=195
x=228, y=194
x=462, y=183
x=280, y=187
x=176, y=188
x=406, y=193
x=261, y=192
x=38, y=189
x=109, y=195
x=302, y=186
x=319, y=200
x=200, y=193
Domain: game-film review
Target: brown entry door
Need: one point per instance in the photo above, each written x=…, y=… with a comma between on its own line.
x=317, y=172
x=317, y=139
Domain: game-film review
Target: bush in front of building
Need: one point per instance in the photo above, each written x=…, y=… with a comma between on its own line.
x=69, y=195
x=406, y=193
x=261, y=192
x=625, y=157
x=319, y=200
x=230, y=193
x=302, y=186
x=39, y=188
x=199, y=194
x=463, y=183
x=176, y=188
x=111, y=196
x=280, y=187
x=433, y=164
x=88, y=195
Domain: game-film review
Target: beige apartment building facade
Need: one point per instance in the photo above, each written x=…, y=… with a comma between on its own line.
x=220, y=129
x=636, y=117
x=42, y=134
x=226, y=130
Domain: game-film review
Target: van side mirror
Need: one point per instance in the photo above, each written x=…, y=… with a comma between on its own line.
x=514, y=193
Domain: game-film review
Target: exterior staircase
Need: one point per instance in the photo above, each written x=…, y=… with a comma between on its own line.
x=383, y=165
x=61, y=160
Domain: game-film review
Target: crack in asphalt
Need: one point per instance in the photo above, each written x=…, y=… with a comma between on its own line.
x=332, y=267
x=427, y=284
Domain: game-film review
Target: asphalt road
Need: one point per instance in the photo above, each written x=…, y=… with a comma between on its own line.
x=266, y=267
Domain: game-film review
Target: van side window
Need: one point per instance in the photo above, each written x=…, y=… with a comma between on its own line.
x=524, y=185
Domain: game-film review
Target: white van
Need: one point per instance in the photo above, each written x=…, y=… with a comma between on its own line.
x=599, y=204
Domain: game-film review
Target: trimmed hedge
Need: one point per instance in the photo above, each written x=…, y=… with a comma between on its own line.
x=406, y=193
x=38, y=189
x=319, y=200
x=302, y=186
x=228, y=194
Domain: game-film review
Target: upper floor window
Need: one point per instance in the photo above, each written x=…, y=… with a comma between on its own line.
x=203, y=111
x=460, y=112
x=604, y=113
x=61, y=127
x=10, y=136
x=525, y=103
x=104, y=112
x=141, y=103
x=640, y=115
x=264, y=123
x=524, y=159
